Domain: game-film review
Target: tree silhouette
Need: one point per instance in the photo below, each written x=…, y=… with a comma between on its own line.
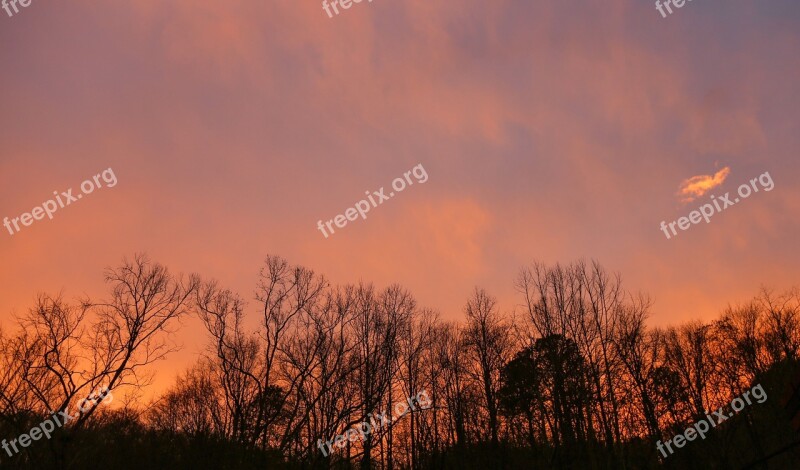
x=573, y=379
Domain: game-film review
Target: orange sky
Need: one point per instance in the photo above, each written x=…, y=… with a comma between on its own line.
x=549, y=131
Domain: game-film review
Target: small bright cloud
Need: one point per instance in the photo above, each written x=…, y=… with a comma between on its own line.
x=696, y=186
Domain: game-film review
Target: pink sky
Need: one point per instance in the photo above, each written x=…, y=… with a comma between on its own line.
x=549, y=132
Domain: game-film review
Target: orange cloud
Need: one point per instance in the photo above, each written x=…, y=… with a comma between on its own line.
x=696, y=186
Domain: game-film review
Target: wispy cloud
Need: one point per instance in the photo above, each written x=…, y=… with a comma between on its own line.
x=696, y=186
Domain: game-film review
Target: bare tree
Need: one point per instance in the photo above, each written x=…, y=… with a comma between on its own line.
x=688, y=353
x=640, y=352
x=413, y=342
x=487, y=340
x=238, y=362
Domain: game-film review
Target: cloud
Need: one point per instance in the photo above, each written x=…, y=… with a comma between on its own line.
x=696, y=186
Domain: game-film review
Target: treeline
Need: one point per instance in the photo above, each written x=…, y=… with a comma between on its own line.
x=574, y=378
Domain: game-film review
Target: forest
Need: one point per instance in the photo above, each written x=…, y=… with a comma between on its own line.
x=571, y=377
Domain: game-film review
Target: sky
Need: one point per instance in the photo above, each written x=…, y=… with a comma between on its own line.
x=549, y=131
